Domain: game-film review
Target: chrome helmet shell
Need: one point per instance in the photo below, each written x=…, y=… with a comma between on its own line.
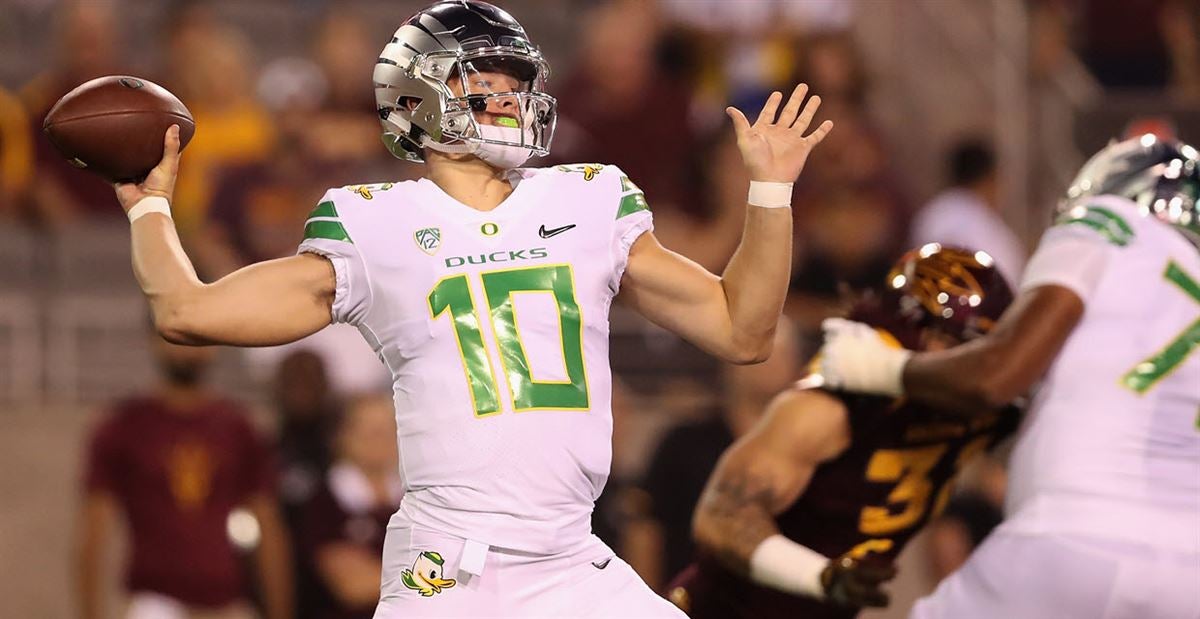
x=1161, y=176
x=456, y=39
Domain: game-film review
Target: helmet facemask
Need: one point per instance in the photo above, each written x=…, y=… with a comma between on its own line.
x=505, y=84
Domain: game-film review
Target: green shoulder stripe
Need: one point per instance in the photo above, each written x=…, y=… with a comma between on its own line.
x=323, y=229
x=324, y=209
x=323, y=224
x=631, y=204
x=633, y=199
x=1110, y=225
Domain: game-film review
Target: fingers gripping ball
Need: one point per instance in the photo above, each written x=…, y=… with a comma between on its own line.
x=114, y=126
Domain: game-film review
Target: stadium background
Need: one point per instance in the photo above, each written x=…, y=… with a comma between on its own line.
x=281, y=94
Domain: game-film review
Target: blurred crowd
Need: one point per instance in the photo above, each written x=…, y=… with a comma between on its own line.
x=310, y=494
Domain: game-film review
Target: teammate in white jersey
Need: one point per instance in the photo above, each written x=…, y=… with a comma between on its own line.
x=1103, y=510
x=485, y=289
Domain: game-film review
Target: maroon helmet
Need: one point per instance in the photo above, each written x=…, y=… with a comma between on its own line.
x=955, y=291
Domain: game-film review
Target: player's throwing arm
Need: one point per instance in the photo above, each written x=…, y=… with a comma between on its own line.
x=264, y=304
x=734, y=316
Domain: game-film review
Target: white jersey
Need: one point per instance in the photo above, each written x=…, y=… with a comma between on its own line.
x=1111, y=445
x=494, y=326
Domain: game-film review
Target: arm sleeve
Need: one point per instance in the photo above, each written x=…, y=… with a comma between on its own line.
x=1072, y=256
x=325, y=234
x=633, y=218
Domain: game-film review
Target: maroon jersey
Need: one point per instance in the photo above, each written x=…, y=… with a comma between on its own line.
x=344, y=511
x=177, y=477
x=868, y=502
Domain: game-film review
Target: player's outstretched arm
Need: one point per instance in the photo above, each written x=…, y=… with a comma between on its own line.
x=982, y=375
x=763, y=474
x=264, y=304
x=765, y=471
x=990, y=372
x=734, y=316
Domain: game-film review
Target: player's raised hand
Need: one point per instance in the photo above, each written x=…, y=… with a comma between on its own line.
x=850, y=582
x=160, y=181
x=775, y=148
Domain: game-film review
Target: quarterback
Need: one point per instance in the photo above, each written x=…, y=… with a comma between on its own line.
x=485, y=289
x=1103, y=508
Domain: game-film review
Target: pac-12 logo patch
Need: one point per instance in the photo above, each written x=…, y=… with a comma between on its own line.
x=428, y=239
x=426, y=575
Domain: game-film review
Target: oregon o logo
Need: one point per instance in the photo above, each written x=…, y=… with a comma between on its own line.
x=489, y=229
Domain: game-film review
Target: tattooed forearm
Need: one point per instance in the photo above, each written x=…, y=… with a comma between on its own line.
x=734, y=516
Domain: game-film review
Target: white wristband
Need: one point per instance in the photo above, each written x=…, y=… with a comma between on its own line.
x=147, y=205
x=782, y=564
x=770, y=195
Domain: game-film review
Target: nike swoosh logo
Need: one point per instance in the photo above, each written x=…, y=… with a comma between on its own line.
x=602, y=564
x=545, y=234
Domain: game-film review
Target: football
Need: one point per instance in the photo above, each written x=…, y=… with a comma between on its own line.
x=114, y=126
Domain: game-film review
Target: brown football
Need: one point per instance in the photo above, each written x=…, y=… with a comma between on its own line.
x=114, y=126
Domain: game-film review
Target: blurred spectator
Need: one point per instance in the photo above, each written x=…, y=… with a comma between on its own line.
x=850, y=211
x=16, y=155
x=658, y=541
x=833, y=67
x=86, y=47
x=1151, y=45
x=344, y=524
x=761, y=15
x=257, y=209
x=346, y=52
x=620, y=108
x=849, y=238
x=328, y=135
x=182, y=466
x=210, y=68
x=722, y=183
x=307, y=411
x=346, y=129
x=976, y=508
x=967, y=214
x=855, y=153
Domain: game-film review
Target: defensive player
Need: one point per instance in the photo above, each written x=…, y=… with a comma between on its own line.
x=1103, y=509
x=820, y=498
x=485, y=289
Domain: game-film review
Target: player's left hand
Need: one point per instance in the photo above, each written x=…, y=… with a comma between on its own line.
x=850, y=582
x=856, y=358
x=775, y=149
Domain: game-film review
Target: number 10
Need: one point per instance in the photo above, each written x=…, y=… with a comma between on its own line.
x=453, y=294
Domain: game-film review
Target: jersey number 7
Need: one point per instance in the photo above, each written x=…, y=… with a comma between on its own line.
x=453, y=295
x=1144, y=375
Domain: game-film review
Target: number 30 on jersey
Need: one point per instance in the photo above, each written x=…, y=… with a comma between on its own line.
x=452, y=295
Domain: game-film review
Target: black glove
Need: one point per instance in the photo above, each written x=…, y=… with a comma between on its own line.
x=851, y=582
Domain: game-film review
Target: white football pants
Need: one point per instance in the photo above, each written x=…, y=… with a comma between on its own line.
x=586, y=582
x=1056, y=577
